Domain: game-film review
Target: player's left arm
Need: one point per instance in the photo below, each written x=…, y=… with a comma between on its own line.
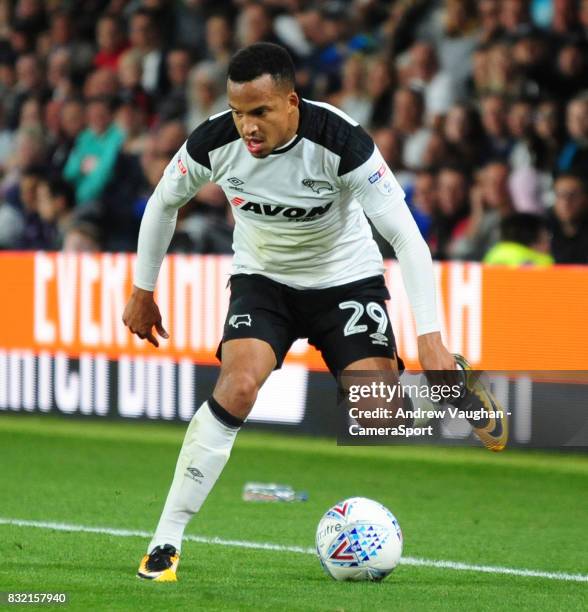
x=373, y=184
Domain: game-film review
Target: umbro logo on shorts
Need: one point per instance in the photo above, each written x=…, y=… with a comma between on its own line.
x=378, y=338
x=240, y=319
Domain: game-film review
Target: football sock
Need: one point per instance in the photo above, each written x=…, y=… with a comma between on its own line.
x=204, y=453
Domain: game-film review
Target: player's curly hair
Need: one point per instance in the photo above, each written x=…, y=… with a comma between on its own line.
x=262, y=58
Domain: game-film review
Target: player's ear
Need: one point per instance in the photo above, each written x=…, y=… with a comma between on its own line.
x=293, y=100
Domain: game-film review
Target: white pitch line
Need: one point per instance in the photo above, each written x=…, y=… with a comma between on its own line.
x=453, y=565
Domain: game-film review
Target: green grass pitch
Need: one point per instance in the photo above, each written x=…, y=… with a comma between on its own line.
x=519, y=510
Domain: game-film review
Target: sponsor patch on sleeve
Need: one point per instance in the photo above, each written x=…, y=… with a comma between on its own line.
x=383, y=180
x=377, y=175
x=183, y=170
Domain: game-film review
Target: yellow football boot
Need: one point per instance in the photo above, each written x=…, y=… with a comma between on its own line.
x=492, y=430
x=160, y=564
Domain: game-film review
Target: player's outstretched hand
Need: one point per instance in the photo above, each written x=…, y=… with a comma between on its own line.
x=436, y=360
x=142, y=314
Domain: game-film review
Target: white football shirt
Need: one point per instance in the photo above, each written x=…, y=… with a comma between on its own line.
x=300, y=213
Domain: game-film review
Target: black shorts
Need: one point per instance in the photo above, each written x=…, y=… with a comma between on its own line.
x=345, y=323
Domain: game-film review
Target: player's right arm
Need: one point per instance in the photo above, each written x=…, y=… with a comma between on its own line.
x=181, y=179
x=364, y=172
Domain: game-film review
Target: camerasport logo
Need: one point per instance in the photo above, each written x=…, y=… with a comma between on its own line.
x=181, y=167
x=293, y=213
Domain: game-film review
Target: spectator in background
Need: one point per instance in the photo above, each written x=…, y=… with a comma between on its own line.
x=520, y=126
x=564, y=22
x=174, y=104
x=548, y=126
x=323, y=65
x=90, y=165
x=478, y=83
x=440, y=90
x=29, y=82
x=206, y=93
x=408, y=121
x=111, y=42
x=380, y=79
x=435, y=154
x=30, y=150
x=144, y=38
x=71, y=123
x=101, y=82
x=31, y=16
x=532, y=176
x=490, y=202
x=190, y=24
x=29, y=231
x=533, y=64
x=254, y=24
x=55, y=204
x=353, y=97
x=135, y=177
x=169, y=137
x=219, y=40
x=6, y=140
x=8, y=95
x=489, y=18
x=524, y=240
x=459, y=37
x=31, y=115
x=497, y=142
x=569, y=220
x=59, y=74
x=574, y=155
x=572, y=70
x=62, y=36
x=583, y=17
x=514, y=16
x=462, y=132
x=130, y=70
x=504, y=78
x=132, y=120
x=533, y=158
x=423, y=203
x=450, y=217
x=82, y=237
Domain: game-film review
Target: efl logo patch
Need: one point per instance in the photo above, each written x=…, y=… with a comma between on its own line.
x=376, y=176
x=237, y=201
x=183, y=169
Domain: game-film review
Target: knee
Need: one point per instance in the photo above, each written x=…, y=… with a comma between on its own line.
x=237, y=392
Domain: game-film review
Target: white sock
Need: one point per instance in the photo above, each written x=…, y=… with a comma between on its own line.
x=204, y=453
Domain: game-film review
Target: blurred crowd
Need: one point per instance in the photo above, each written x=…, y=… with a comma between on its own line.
x=479, y=106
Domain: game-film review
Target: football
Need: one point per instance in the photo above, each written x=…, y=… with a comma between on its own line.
x=358, y=539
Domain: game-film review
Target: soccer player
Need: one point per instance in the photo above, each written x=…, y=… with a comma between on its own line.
x=301, y=177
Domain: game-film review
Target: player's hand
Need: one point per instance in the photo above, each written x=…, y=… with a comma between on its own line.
x=141, y=315
x=434, y=357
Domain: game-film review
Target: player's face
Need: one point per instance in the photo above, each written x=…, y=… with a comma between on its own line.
x=265, y=114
